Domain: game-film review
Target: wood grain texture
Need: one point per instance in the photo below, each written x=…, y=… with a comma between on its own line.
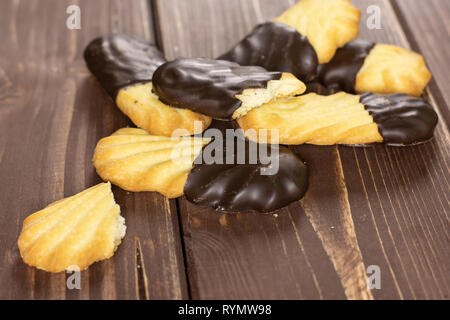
x=427, y=27
x=376, y=206
x=402, y=201
x=224, y=25
x=52, y=113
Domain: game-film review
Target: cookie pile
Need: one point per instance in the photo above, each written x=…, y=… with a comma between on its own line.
x=301, y=78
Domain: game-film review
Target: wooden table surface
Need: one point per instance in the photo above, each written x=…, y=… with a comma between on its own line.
x=380, y=206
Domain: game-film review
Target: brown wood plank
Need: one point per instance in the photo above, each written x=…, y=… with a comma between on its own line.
x=402, y=198
x=376, y=206
x=427, y=28
x=52, y=113
x=254, y=256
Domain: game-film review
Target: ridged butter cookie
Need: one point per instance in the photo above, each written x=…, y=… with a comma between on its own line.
x=74, y=232
x=229, y=178
x=124, y=66
x=362, y=66
x=328, y=24
x=137, y=161
x=343, y=118
x=141, y=105
x=391, y=69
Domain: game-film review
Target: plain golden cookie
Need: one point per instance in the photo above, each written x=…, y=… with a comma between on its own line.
x=313, y=119
x=328, y=24
x=74, y=232
x=391, y=69
x=146, y=111
x=137, y=161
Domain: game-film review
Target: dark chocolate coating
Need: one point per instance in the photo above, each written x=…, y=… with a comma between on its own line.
x=340, y=73
x=401, y=119
x=276, y=47
x=207, y=86
x=118, y=61
x=241, y=187
x=317, y=87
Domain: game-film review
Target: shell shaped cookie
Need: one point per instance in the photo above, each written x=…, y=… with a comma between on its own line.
x=124, y=66
x=391, y=69
x=314, y=119
x=146, y=111
x=73, y=232
x=137, y=161
x=328, y=24
x=342, y=118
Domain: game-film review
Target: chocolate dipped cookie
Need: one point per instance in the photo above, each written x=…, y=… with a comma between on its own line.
x=220, y=89
x=231, y=177
x=342, y=118
x=137, y=161
x=362, y=66
x=124, y=66
x=276, y=47
x=254, y=185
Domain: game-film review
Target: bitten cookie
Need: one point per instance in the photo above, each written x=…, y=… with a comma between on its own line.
x=362, y=66
x=220, y=89
x=276, y=47
x=73, y=232
x=328, y=24
x=137, y=161
x=343, y=118
x=124, y=66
